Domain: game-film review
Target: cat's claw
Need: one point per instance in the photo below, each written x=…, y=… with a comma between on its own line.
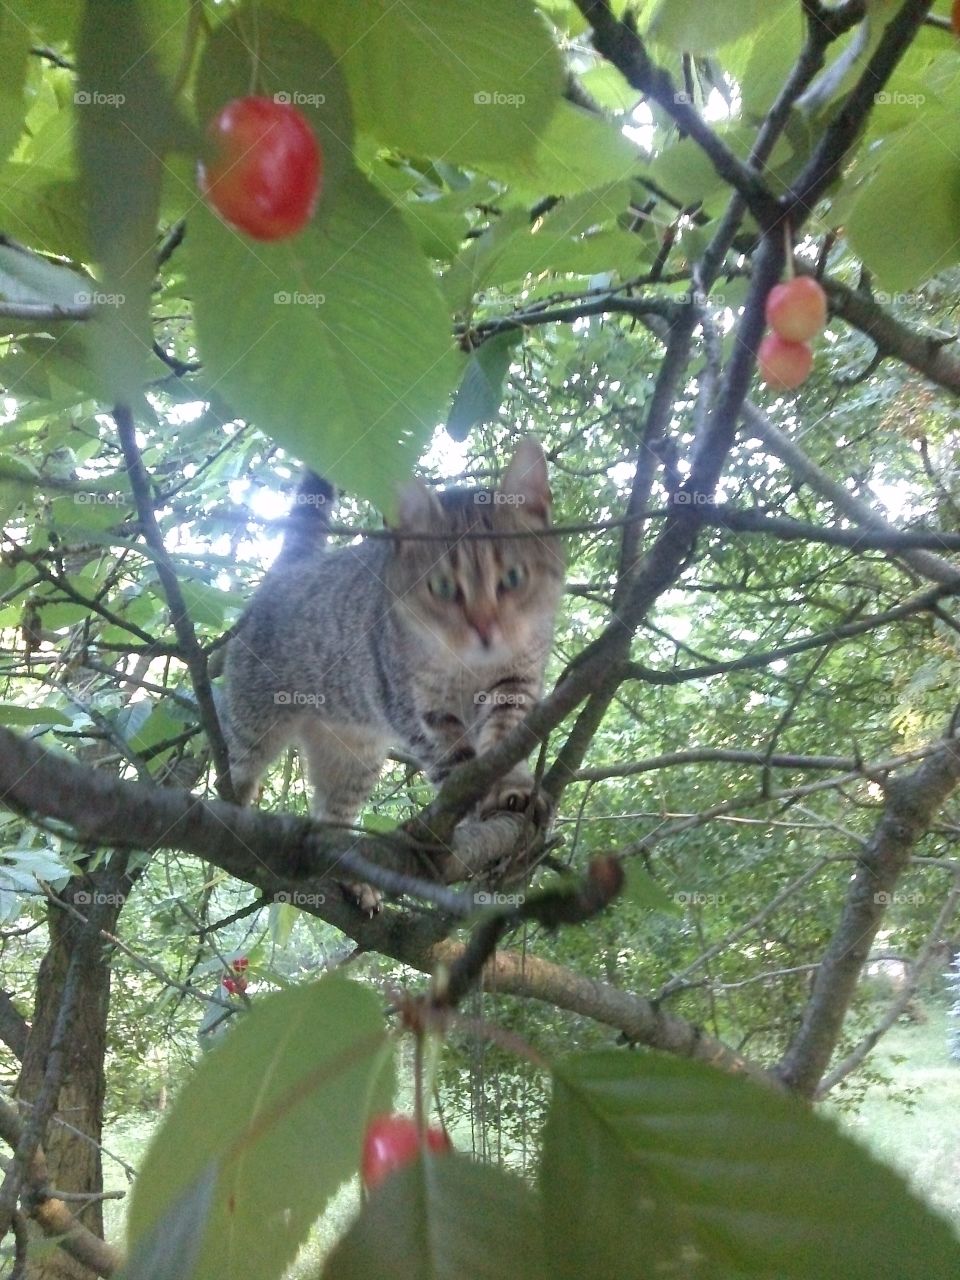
x=515, y=796
x=364, y=896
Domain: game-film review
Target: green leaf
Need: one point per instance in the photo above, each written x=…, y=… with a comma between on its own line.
x=169, y=1251
x=348, y=310
x=206, y=604
x=577, y=152
x=11, y=714
x=42, y=209
x=696, y=27
x=26, y=277
x=474, y=82
x=158, y=726
x=646, y=1158
x=685, y=172
x=480, y=393
x=645, y=892
x=14, y=48
x=351, y=315
x=279, y=1107
x=444, y=1218
x=917, y=185
x=125, y=124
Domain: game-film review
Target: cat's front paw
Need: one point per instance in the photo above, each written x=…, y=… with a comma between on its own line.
x=364, y=896
x=514, y=794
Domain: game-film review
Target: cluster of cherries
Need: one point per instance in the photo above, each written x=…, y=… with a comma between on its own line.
x=236, y=980
x=796, y=311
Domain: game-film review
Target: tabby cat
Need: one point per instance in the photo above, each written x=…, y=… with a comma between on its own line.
x=436, y=647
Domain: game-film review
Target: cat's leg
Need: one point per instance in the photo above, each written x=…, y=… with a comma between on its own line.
x=343, y=765
x=442, y=743
x=499, y=710
x=250, y=750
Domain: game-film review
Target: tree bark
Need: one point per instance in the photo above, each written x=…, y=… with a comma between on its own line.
x=73, y=1160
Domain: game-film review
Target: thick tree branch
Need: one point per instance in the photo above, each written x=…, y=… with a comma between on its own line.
x=272, y=851
x=50, y=1213
x=911, y=804
x=918, y=967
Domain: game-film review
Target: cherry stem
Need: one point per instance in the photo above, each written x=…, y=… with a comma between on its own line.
x=788, y=249
x=418, y=1112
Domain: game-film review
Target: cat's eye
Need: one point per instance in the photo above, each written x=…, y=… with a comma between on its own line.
x=513, y=578
x=443, y=587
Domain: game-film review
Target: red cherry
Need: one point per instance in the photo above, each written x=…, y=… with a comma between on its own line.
x=231, y=985
x=783, y=365
x=796, y=309
x=391, y=1141
x=239, y=964
x=265, y=171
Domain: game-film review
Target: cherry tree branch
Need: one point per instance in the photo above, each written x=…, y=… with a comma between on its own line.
x=912, y=801
x=51, y=1213
x=190, y=648
x=918, y=967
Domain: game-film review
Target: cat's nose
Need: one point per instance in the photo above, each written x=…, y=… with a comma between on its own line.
x=485, y=626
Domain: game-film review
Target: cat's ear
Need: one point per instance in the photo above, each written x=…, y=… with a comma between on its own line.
x=418, y=507
x=526, y=477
